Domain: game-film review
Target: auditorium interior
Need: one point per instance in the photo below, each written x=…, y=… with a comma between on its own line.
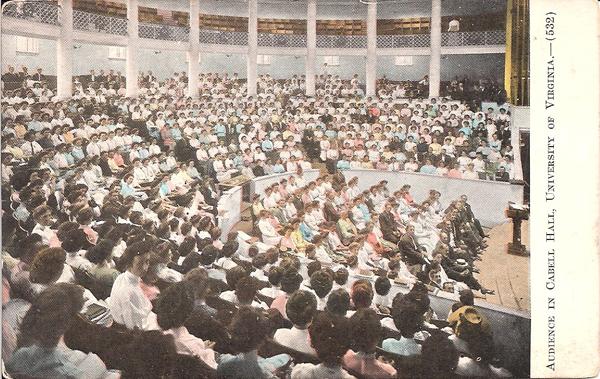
x=265, y=188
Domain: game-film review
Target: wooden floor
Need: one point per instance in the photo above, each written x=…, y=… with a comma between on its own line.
x=506, y=274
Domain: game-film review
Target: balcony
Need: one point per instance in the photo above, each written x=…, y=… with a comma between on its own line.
x=43, y=12
x=341, y=42
x=50, y=14
x=281, y=40
x=404, y=40
x=482, y=38
x=94, y=22
x=218, y=37
x=164, y=32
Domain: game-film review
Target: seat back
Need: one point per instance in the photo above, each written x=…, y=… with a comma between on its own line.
x=188, y=366
x=270, y=348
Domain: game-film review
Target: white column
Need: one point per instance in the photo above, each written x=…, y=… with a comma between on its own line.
x=64, y=52
x=252, y=46
x=132, y=48
x=194, y=51
x=436, y=48
x=371, y=74
x=311, y=47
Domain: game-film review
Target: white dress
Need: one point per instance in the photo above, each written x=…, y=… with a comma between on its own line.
x=269, y=234
x=129, y=306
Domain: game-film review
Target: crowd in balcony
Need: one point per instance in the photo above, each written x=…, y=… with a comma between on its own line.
x=114, y=263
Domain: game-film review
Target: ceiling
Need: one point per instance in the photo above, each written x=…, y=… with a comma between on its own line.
x=334, y=9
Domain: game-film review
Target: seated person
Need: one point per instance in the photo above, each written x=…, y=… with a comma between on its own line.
x=274, y=277
x=441, y=357
x=407, y=319
x=248, y=330
x=232, y=277
x=366, y=332
x=172, y=309
x=203, y=322
x=330, y=337
x=245, y=291
x=321, y=283
x=42, y=352
x=301, y=307
x=338, y=302
x=474, y=340
x=382, y=290
x=128, y=304
x=290, y=283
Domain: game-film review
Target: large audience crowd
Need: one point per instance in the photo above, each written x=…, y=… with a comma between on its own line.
x=114, y=264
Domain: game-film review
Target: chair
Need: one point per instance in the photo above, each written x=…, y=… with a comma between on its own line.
x=225, y=309
x=270, y=348
x=406, y=366
x=188, y=366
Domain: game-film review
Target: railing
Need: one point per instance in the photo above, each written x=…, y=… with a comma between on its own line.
x=163, y=32
x=95, y=22
x=49, y=13
x=223, y=38
x=38, y=11
x=281, y=40
x=397, y=41
x=483, y=38
x=491, y=37
x=343, y=42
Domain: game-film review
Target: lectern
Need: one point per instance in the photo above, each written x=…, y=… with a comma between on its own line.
x=517, y=213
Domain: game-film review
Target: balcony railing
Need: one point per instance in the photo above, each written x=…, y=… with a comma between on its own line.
x=37, y=11
x=281, y=40
x=491, y=37
x=341, y=42
x=398, y=41
x=223, y=38
x=49, y=13
x=95, y=22
x=163, y=32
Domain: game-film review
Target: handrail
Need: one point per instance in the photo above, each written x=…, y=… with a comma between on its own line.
x=95, y=22
x=163, y=32
x=37, y=11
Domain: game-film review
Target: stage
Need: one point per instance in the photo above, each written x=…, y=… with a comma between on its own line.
x=506, y=274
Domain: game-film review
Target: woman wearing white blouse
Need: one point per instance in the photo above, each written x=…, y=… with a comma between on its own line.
x=127, y=303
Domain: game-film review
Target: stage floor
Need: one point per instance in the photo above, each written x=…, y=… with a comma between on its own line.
x=506, y=274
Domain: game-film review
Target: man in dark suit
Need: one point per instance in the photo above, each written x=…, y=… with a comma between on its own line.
x=471, y=216
x=258, y=169
x=412, y=252
x=388, y=225
x=38, y=76
x=102, y=77
x=326, y=118
x=329, y=210
x=10, y=76
x=149, y=78
x=502, y=175
x=24, y=74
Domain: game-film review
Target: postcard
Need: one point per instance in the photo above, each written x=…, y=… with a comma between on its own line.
x=300, y=189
